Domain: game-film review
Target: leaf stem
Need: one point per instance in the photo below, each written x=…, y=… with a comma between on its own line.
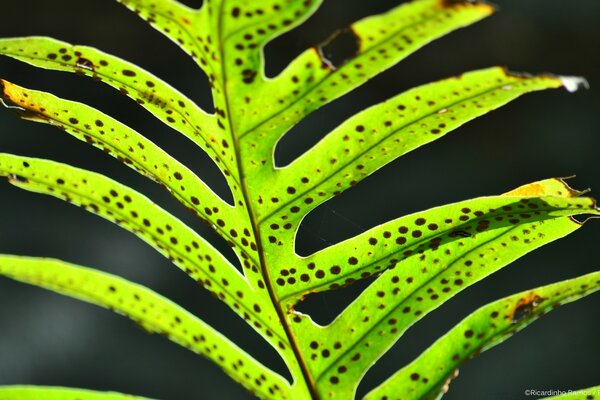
x=308, y=380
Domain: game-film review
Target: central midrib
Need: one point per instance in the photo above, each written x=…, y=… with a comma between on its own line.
x=308, y=379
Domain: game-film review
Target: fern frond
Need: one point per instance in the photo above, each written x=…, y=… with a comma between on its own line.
x=151, y=311
x=490, y=325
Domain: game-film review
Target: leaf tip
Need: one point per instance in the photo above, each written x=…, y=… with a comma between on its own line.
x=570, y=83
x=574, y=83
x=571, y=192
x=11, y=97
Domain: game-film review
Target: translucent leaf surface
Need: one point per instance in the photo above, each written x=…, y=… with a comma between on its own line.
x=151, y=311
x=242, y=28
x=425, y=259
x=345, y=61
x=380, y=134
x=133, y=149
x=60, y=393
x=419, y=261
x=138, y=214
x=454, y=227
x=490, y=325
x=128, y=146
x=176, y=21
x=158, y=97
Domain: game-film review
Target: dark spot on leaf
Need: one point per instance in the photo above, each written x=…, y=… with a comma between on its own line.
x=84, y=63
x=525, y=307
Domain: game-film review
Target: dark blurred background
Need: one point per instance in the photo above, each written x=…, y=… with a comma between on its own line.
x=53, y=340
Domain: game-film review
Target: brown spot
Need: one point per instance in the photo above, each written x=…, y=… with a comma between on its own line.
x=525, y=307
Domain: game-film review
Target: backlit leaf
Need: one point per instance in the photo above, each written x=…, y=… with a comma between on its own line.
x=133, y=149
x=380, y=134
x=418, y=261
x=425, y=260
x=158, y=97
x=177, y=22
x=345, y=61
x=121, y=142
x=243, y=28
x=433, y=231
x=138, y=214
x=490, y=325
x=22, y=392
x=151, y=311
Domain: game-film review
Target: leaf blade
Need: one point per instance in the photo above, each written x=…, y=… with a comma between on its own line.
x=383, y=246
x=158, y=97
x=153, y=312
x=419, y=278
x=139, y=215
x=134, y=150
x=378, y=135
x=483, y=329
x=30, y=392
x=418, y=21
x=176, y=21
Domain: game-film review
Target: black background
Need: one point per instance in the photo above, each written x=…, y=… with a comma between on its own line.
x=52, y=340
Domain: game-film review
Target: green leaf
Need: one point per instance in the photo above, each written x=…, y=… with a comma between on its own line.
x=374, y=137
x=488, y=326
x=139, y=153
x=177, y=22
x=90, y=125
x=158, y=97
x=151, y=311
x=22, y=392
x=348, y=59
x=171, y=237
x=424, y=259
x=427, y=232
x=581, y=394
x=224, y=38
x=242, y=29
